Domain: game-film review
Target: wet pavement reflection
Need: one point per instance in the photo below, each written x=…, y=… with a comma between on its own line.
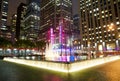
x=18, y=72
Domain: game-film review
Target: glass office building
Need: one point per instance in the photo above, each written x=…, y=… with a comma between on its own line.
x=56, y=26
x=21, y=11
x=32, y=20
x=3, y=17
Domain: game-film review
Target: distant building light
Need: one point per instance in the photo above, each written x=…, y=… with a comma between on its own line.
x=117, y=22
x=102, y=12
x=3, y=19
x=5, y=2
x=102, y=16
x=97, y=9
x=100, y=40
x=90, y=11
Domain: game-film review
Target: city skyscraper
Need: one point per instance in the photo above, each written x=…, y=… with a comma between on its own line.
x=100, y=25
x=0, y=5
x=32, y=19
x=56, y=25
x=0, y=12
x=13, y=27
x=21, y=10
x=53, y=11
x=3, y=17
x=76, y=25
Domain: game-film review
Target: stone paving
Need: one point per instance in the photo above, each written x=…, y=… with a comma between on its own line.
x=105, y=72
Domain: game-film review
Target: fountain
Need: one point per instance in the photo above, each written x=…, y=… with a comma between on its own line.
x=58, y=47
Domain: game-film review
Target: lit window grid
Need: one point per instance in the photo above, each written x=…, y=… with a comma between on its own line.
x=98, y=15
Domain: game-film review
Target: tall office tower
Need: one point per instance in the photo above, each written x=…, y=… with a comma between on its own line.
x=0, y=7
x=3, y=17
x=55, y=25
x=32, y=19
x=21, y=10
x=29, y=1
x=76, y=25
x=13, y=27
x=100, y=25
x=0, y=12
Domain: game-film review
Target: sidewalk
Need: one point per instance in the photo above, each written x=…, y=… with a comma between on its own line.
x=105, y=72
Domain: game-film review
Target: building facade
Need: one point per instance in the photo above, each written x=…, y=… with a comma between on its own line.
x=56, y=26
x=32, y=20
x=13, y=27
x=21, y=10
x=3, y=17
x=76, y=25
x=0, y=7
x=100, y=25
x=0, y=13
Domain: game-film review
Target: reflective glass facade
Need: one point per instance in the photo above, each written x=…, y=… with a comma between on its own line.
x=51, y=14
x=32, y=20
x=56, y=27
x=3, y=19
x=21, y=10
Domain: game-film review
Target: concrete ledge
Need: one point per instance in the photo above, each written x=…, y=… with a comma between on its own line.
x=90, y=63
x=41, y=64
x=64, y=67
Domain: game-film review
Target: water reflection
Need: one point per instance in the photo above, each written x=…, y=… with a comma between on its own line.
x=8, y=73
x=52, y=78
x=17, y=72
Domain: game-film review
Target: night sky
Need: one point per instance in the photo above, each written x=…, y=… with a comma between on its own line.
x=13, y=4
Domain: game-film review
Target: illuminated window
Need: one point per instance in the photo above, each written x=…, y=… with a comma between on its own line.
x=97, y=9
x=104, y=26
x=104, y=31
x=90, y=11
x=106, y=15
x=109, y=39
x=118, y=22
x=102, y=16
x=94, y=14
x=97, y=13
x=89, y=4
x=100, y=40
x=106, y=10
x=102, y=12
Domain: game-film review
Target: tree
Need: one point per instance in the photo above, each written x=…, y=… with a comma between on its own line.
x=41, y=46
x=25, y=44
x=4, y=44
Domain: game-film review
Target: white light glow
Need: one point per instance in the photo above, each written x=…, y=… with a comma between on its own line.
x=46, y=65
x=64, y=67
x=117, y=22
